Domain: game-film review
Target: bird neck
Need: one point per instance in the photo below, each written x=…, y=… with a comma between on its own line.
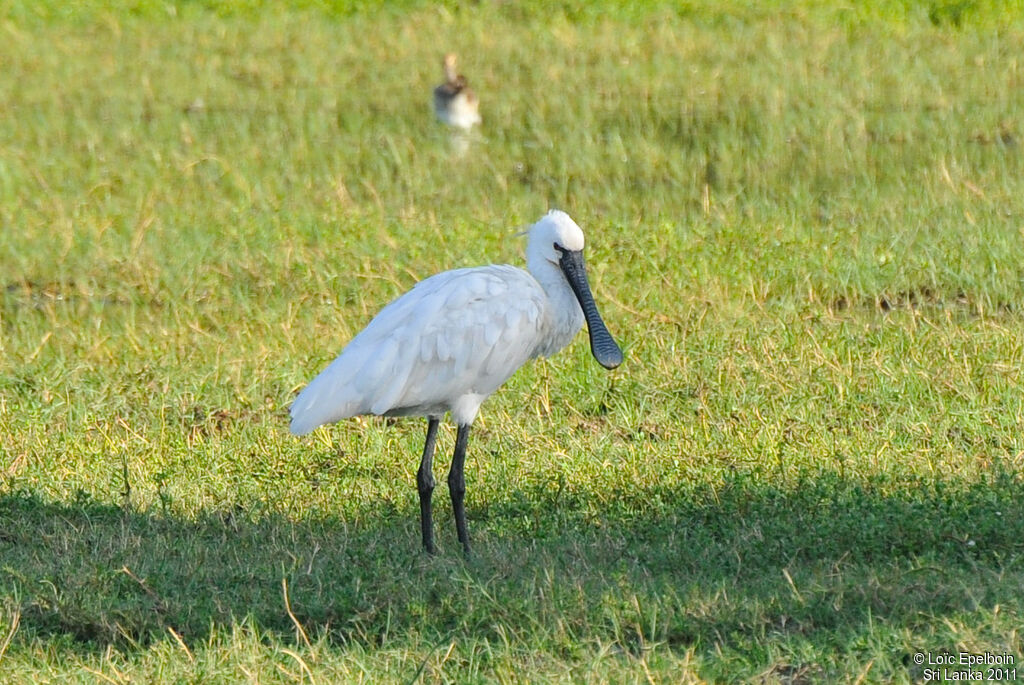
x=564, y=310
x=450, y=75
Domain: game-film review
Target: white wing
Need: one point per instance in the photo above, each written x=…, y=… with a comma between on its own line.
x=458, y=332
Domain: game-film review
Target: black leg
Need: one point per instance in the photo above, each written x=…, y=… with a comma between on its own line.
x=425, y=484
x=457, y=486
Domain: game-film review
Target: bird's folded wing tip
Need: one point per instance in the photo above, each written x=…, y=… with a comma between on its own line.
x=301, y=430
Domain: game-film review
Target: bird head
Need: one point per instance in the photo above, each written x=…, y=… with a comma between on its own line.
x=558, y=240
x=554, y=233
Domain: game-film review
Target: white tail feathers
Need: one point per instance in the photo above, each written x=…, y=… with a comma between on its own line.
x=365, y=378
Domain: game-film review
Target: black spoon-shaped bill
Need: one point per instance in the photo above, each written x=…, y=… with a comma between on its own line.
x=602, y=345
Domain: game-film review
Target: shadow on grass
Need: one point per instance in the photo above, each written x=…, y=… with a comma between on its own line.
x=721, y=567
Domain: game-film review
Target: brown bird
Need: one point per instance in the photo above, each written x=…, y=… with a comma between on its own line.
x=455, y=103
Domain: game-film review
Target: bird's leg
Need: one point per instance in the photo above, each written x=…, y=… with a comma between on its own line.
x=425, y=484
x=457, y=486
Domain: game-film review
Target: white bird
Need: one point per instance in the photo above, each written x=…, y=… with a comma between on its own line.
x=455, y=103
x=452, y=340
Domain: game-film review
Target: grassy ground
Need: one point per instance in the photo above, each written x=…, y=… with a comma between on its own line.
x=805, y=226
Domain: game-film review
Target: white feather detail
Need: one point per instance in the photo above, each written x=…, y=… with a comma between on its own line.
x=466, y=329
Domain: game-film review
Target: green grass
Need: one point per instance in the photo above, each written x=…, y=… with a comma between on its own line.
x=805, y=226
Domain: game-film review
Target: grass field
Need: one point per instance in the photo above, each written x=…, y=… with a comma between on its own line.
x=805, y=226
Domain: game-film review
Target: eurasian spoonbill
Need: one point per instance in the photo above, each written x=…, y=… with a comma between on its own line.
x=455, y=103
x=452, y=340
